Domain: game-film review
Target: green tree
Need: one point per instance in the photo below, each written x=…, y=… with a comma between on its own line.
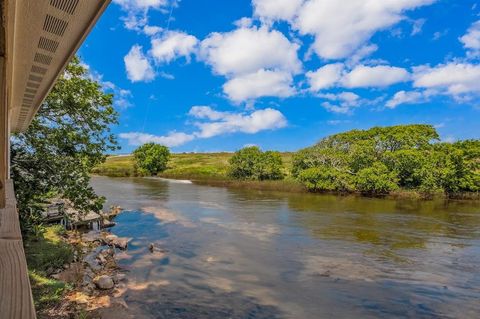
x=151, y=159
x=376, y=180
x=252, y=163
x=67, y=138
x=318, y=179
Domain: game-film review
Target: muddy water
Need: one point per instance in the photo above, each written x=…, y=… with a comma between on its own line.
x=229, y=253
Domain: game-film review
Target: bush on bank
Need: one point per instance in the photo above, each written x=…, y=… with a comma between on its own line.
x=251, y=163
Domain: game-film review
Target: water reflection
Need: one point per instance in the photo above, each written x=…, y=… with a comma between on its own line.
x=243, y=254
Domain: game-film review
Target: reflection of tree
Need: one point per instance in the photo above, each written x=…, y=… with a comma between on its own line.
x=387, y=224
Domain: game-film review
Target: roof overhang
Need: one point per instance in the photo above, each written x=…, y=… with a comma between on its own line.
x=41, y=38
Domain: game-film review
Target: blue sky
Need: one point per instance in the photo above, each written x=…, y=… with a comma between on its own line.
x=216, y=75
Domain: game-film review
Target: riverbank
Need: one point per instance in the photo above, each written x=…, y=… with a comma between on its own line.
x=73, y=274
x=211, y=169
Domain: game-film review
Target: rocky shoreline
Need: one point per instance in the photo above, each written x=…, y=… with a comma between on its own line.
x=94, y=276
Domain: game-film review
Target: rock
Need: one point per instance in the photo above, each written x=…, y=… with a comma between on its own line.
x=121, y=243
x=92, y=262
x=107, y=224
x=91, y=237
x=110, y=238
x=104, y=282
x=101, y=259
x=118, y=277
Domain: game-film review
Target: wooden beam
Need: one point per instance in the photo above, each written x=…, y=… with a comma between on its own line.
x=16, y=300
x=4, y=135
x=15, y=293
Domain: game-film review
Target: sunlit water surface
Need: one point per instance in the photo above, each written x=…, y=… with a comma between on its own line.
x=230, y=253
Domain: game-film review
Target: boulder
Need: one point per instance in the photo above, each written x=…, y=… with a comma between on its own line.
x=121, y=243
x=104, y=282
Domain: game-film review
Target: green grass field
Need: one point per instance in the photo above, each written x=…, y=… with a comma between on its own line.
x=197, y=166
x=205, y=168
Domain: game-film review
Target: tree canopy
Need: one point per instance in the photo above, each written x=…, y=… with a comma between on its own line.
x=383, y=159
x=151, y=159
x=253, y=163
x=67, y=138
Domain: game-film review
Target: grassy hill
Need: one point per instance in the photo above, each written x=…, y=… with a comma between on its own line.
x=203, y=168
x=195, y=166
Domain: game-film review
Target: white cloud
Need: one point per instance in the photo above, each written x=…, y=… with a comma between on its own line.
x=325, y=77
x=247, y=50
x=172, y=45
x=341, y=103
x=226, y=122
x=140, y=4
x=259, y=84
x=137, y=65
x=272, y=10
x=171, y=140
x=417, y=26
x=213, y=123
x=456, y=79
x=471, y=40
x=405, y=97
x=362, y=76
x=374, y=76
x=341, y=27
x=137, y=12
x=151, y=30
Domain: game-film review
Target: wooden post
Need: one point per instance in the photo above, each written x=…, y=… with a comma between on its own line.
x=4, y=135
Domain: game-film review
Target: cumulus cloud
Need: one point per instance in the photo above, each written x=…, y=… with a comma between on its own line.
x=456, y=79
x=259, y=84
x=374, y=76
x=325, y=77
x=247, y=50
x=340, y=103
x=362, y=76
x=172, y=45
x=339, y=27
x=405, y=97
x=137, y=13
x=272, y=10
x=226, y=122
x=471, y=40
x=171, y=140
x=137, y=65
x=210, y=123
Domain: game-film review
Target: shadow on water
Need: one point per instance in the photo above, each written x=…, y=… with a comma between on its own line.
x=248, y=254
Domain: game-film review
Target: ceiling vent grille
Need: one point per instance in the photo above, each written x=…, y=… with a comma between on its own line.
x=68, y=6
x=55, y=25
x=38, y=69
x=33, y=85
x=42, y=58
x=47, y=44
x=35, y=78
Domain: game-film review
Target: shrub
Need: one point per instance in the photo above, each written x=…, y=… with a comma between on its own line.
x=252, y=163
x=151, y=159
x=376, y=180
x=326, y=179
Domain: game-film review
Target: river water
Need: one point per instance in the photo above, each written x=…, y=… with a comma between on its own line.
x=232, y=253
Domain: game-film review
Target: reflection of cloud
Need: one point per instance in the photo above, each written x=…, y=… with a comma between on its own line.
x=165, y=216
x=257, y=231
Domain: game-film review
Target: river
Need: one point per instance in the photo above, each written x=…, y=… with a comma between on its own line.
x=234, y=253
